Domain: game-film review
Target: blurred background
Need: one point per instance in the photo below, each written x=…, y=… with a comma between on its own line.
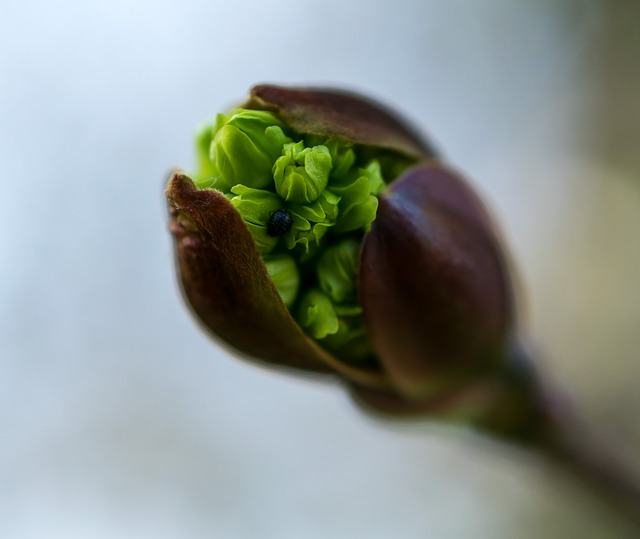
x=120, y=419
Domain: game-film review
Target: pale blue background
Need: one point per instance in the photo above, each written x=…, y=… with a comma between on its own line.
x=118, y=418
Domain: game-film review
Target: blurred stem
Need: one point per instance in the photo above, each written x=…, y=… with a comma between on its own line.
x=547, y=421
x=591, y=457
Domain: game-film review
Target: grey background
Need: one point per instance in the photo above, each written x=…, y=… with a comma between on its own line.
x=118, y=418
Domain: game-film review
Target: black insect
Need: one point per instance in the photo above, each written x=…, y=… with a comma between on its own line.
x=279, y=223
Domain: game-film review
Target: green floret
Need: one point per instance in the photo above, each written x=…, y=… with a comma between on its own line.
x=307, y=201
x=256, y=207
x=242, y=149
x=312, y=221
x=358, y=200
x=338, y=270
x=350, y=342
x=301, y=174
x=203, y=177
x=317, y=315
x=285, y=275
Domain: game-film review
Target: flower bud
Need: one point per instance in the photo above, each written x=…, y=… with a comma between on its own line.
x=338, y=270
x=328, y=238
x=317, y=315
x=301, y=174
x=285, y=276
x=358, y=197
x=244, y=148
x=256, y=206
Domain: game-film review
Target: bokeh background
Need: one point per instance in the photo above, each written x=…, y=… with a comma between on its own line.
x=118, y=418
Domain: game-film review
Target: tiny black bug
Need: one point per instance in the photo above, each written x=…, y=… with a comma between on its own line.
x=279, y=223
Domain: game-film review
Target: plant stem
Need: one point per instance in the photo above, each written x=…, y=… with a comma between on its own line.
x=589, y=456
x=536, y=414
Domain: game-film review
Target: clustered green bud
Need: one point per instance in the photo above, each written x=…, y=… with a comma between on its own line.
x=338, y=269
x=242, y=150
x=256, y=207
x=284, y=274
x=301, y=174
x=307, y=201
x=337, y=272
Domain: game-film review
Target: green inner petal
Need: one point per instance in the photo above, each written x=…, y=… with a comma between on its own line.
x=264, y=242
x=350, y=342
x=244, y=148
x=358, y=197
x=317, y=315
x=285, y=275
x=327, y=189
x=301, y=174
x=205, y=171
x=255, y=205
x=338, y=269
